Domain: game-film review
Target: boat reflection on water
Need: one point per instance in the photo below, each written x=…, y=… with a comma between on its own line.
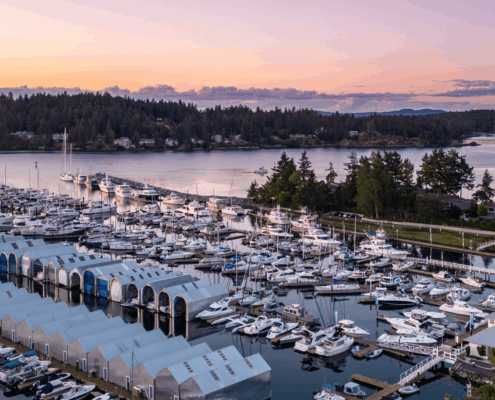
x=314, y=363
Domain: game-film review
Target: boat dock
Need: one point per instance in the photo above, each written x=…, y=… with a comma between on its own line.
x=453, y=266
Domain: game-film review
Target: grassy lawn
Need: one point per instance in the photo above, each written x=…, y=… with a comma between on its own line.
x=445, y=238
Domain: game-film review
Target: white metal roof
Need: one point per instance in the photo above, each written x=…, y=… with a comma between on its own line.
x=26, y=302
x=111, y=350
x=69, y=335
x=159, y=364
x=51, y=328
x=37, y=320
x=138, y=356
x=90, y=342
x=19, y=314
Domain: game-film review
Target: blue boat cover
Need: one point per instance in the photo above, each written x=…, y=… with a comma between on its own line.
x=30, y=353
x=13, y=364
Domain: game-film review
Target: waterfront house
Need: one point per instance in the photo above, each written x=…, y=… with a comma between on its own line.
x=146, y=142
x=484, y=338
x=123, y=141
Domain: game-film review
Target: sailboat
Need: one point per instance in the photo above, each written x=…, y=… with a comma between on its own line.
x=65, y=176
x=233, y=210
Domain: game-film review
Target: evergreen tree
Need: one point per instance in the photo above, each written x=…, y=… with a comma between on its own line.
x=330, y=178
x=485, y=192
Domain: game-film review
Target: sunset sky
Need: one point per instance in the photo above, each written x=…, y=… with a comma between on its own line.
x=356, y=55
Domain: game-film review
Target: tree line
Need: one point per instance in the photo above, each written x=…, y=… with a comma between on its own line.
x=381, y=185
x=89, y=116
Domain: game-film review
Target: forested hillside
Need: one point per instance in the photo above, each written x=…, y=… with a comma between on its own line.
x=91, y=116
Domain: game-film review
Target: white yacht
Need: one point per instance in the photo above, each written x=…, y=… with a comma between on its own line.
x=304, y=222
x=277, y=231
x=195, y=209
x=214, y=311
x=174, y=199
x=458, y=293
x=333, y=346
x=145, y=194
x=398, y=300
x=261, y=171
x=312, y=338
x=443, y=276
x=379, y=247
x=281, y=328
x=124, y=191
x=336, y=288
x=98, y=209
x=261, y=326
x=406, y=336
x=24, y=367
x=440, y=289
x=234, y=210
x=419, y=324
x=391, y=281
x=460, y=308
x=106, y=185
x=423, y=286
x=473, y=282
x=278, y=217
x=317, y=237
x=215, y=203
x=80, y=179
x=178, y=255
x=402, y=266
x=350, y=328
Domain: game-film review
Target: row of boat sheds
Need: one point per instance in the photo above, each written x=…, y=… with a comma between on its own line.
x=145, y=362
x=173, y=293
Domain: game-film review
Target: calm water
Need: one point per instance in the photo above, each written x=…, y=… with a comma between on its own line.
x=204, y=172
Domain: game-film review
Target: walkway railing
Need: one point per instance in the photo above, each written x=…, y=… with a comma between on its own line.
x=444, y=353
x=409, y=348
x=453, y=265
x=485, y=245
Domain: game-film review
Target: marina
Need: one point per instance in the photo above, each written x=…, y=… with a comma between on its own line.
x=110, y=276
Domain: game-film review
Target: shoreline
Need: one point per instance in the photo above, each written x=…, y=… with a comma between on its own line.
x=244, y=148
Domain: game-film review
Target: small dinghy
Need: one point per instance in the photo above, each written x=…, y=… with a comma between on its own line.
x=374, y=353
x=107, y=396
x=395, y=396
x=410, y=389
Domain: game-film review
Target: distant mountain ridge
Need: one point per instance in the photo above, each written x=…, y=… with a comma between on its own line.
x=405, y=111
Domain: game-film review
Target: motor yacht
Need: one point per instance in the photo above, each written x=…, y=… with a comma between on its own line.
x=215, y=311
x=378, y=292
x=444, y=276
x=278, y=217
x=423, y=286
x=399, y=300
x=261, y=326
x=391, y=282
x=402, y=266
x=312, y=337
x=440, y=289
x=261, y=171
x=124, y=191
x=350, y=328
x=145, y=194
x=304, y=222
x=380, y=263
x=460, y=308
x=420, y=324
x=19, y=368
x=77, y=392
x=106, y=185
x=437, y=319
x=235, y=321
x=281, y=328
x=215, y=203
x=277, y=231
x=333, y=346
x=379, y=247
x=174, y=199
x=473, y=281
x=336, y=288
x=97, y=210
x=233, y=210
x=317, y=237
x=352, y=389
x=406, y=336
x=178, y=255
x=375, y=278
